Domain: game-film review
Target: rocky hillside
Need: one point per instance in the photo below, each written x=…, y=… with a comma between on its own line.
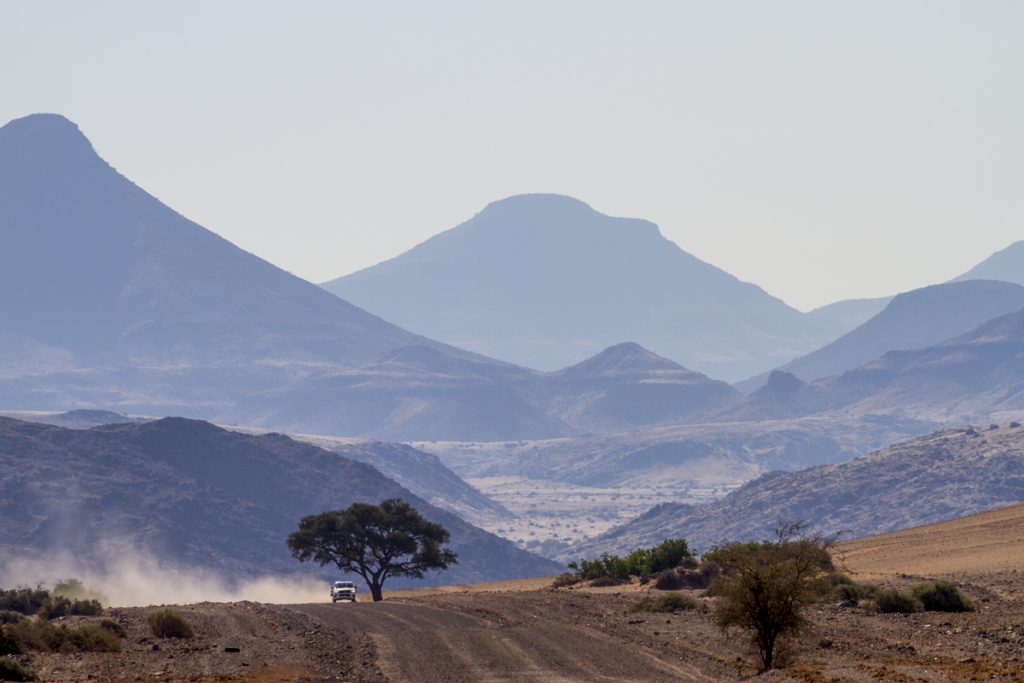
x=946, y=474
x=914, y=320
x=198, y=496
x=546, y=281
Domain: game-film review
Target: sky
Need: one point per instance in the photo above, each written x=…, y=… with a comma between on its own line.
x=822, y=150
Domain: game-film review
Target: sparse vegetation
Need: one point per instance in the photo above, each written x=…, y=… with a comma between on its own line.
x=645, y=562
x=74, y=590
x=942, y=596
x=892, y=601
x=13, y=670
x=114, y=627
x=23, y=600
x=167, y=623
x=669, y=602
x=846, y=591
x=60, y=606
x=39, y=635
x=764, y=587
x=10, y=617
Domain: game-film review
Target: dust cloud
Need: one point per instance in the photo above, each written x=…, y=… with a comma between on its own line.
x=134, y=580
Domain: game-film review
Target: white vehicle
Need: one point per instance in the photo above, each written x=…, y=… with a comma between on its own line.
x=343, y=590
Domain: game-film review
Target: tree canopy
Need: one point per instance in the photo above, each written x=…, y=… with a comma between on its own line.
x=374, y=541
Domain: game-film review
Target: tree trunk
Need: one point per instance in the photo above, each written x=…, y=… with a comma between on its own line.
x=375, y=591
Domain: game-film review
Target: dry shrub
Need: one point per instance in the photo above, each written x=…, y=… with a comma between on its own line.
x=166, y=623
x=671, y=602
x=563, y=580
x=942, y=596
x=891, y=601
x=42, y=636
x=13, y=670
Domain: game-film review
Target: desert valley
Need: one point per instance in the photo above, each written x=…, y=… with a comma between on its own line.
x=541, y=442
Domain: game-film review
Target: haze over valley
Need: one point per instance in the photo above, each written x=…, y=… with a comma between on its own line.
x=475, y=343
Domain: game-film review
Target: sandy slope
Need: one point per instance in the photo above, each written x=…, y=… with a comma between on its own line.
x=991, y=541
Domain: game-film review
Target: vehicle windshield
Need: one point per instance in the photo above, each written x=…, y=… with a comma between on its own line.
x=344, y=584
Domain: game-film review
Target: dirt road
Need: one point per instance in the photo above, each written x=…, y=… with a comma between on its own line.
x=422, y=642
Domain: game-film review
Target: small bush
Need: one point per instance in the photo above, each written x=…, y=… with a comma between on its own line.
x=605, y=581
x=113, y=627
x=891, y=601
x=8, y=645
x=942, y=596
x=13, y=670
x=563, y=580
x=852, y=594
x=75, y=590
x=671, y=580
x=10, y=617
x=1014, y=425
x=166, y=623
x=43, y=636
x=60, y=606
x=23, y=600
x=643, y=562
x=671, y=602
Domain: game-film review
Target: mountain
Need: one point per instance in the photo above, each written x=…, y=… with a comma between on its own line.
x=850, y=313
x=1006, y=265
x=415, y=392
x=198, y=496
x=912, y=320
x=626, y=386
x=697, y=457
x=946, y=474
x=545, y=281
x=976, y=375
x=420, y=472
x=124, y=303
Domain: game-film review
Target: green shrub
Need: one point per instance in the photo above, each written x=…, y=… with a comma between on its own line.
x=10, y=617
x=668, y=554
x=942, y=596
x=166, y=623
x=43, y=636
x=73, y=589
x=60, y=606
x=763, y=588
x=670, y=602
x=852, y=594
x=23, y=600
x=891, y=601
x=13, y=670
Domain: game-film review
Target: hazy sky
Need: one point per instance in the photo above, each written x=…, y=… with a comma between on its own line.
x=823, y=150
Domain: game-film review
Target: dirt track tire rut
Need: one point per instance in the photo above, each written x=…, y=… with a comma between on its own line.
x=416, y=642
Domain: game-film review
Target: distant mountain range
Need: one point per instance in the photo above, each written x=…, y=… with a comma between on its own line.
x=912, y=320
x=421, y=393
x=946, y=474
x=198, y=496
x=546, y=281
x=1006, y=265
x=125, y=305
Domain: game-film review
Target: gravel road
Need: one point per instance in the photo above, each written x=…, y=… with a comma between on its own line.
x=515, y=642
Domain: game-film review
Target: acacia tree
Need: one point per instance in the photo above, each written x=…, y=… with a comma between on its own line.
x=764, y=587
x=373, y=541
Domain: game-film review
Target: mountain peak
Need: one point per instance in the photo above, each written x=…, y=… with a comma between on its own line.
x=44, y=135
x=626, y=358
x=539, y=202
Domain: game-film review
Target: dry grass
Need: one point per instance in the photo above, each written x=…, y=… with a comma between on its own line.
x=990, y=541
